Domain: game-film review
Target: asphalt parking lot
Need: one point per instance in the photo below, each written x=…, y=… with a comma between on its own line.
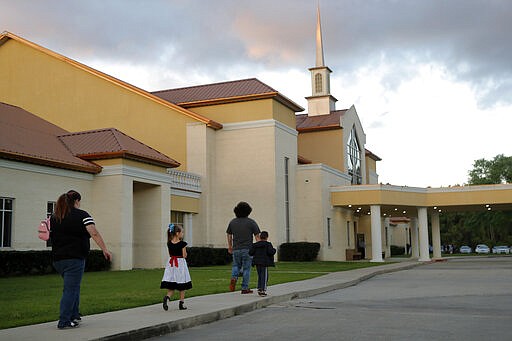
x=460, y=299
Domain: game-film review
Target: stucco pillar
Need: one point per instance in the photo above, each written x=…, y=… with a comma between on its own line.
x=423, y=234
x=414, y=238
x=436, y=235
x=376, y=230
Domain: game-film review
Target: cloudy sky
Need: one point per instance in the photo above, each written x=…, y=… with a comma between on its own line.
x=430, y=79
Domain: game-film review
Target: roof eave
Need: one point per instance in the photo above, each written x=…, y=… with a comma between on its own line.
x=92, y=169
x=131, y=156
x=144, y=93
x=311, y=129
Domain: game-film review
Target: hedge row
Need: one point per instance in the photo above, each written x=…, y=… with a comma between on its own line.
x=397, y=250
x=18, y=263
x=298, y=252
x=205, y=256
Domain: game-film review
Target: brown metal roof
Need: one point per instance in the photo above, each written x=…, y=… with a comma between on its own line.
x=112, y=143
x=371, y=155
x=224, y=92
x=27, y=137
x=307, y=123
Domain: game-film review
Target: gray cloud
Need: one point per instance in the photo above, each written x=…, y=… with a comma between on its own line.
x=468, y=37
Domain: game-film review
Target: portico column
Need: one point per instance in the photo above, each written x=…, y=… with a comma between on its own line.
x=376, y=234
x=423, y=234
x=436, y=235
x=414, y=238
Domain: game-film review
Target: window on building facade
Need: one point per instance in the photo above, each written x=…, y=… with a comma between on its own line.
x=348, y=233
x=318, y=82
x=328, y=231
x=50, y=209
x=177, y=218
x=354, y=158
x=6, y=210
x=287, y=197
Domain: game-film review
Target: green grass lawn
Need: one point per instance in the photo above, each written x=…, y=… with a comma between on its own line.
x=35, y=299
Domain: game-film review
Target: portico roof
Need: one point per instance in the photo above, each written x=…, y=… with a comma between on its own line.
x=404, y=201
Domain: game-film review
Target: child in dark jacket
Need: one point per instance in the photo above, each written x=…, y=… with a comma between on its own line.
x=262, y=253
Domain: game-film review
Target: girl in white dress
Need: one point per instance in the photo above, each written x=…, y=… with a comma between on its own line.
x=176, y=275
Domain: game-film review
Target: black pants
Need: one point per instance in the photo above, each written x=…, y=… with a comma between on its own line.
x=262, y=277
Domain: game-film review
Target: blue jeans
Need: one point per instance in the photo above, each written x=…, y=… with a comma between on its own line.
x=71, y=271
x=262, y=277
x=242, y=261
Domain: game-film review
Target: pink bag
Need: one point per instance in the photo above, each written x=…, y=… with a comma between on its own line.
x=44, y=229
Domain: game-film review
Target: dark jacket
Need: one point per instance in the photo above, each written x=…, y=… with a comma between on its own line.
x=262, y=253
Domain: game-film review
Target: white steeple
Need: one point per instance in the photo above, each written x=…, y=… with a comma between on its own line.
x=320, y=102
x=319, y=45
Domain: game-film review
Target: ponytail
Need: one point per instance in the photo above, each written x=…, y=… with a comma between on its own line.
x=65, y=203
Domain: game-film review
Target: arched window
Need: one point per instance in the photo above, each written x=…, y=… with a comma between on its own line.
x=354, y=158
x=318, y=82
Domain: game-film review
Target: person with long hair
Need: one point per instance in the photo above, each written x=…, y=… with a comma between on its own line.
x=71, y=230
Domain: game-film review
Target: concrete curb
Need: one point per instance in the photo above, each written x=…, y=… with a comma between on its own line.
x=188, y=322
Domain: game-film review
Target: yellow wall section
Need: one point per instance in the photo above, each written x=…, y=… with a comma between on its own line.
x=237, y=112
x=184, y=204
x=262, y=109
x=77, y=100
x=323, y=147
x=131, y=163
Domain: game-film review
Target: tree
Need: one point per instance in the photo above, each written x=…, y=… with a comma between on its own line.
x=488, y=227
x=487, y=172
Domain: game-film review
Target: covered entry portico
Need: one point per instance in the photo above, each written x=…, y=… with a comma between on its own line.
x=384, y=201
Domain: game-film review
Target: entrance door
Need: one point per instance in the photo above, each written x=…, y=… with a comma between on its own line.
x=361, y=245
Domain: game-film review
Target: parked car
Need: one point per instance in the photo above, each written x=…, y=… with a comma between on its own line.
x=482, y=248
x=465, y=249
x=501, y=249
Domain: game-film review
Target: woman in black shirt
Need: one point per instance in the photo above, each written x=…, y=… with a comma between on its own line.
x=71, y=229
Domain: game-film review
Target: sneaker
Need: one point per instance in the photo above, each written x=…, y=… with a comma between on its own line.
x=262, y=293
x=68, y=325
x=232, y=284
x=246, y=291
x=164, y=304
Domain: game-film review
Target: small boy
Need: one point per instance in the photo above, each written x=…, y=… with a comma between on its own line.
x=262, y=253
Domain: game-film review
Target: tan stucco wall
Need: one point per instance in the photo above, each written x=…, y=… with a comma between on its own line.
x=249, y=166
x=77, y=100
x=31, y=190
x=313, y=209
x=323, y=147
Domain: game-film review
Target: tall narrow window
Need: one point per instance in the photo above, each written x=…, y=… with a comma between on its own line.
x=50, y=209
x=328, y=231
x=6, y=210
x=287, y=197
x=318, y=82
x=354, y=158
x=348, y=233
x=178, y=218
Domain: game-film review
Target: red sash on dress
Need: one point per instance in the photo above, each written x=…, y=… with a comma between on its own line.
x=174, y=260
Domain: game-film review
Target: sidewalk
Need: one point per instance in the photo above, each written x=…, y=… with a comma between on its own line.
x=144, y=322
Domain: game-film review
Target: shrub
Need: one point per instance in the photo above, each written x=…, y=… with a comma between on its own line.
x=204, y=256
x=20, y=263
x=397, y=250
x=299, y=251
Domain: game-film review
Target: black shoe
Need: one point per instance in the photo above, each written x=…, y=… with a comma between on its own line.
x=166, y=298
x=182, y=306
x=68, y=325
